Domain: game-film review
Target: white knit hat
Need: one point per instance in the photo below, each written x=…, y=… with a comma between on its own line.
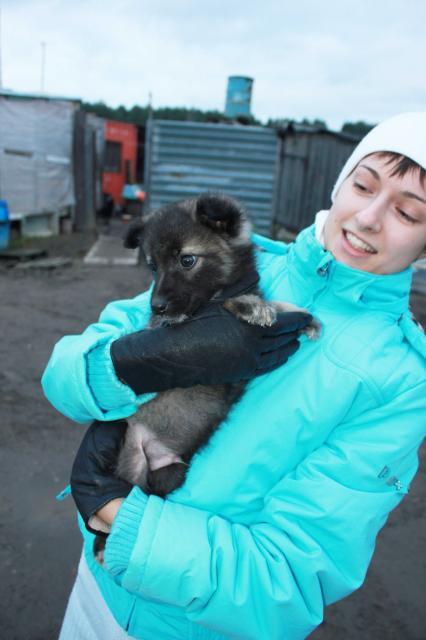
x=404, y=133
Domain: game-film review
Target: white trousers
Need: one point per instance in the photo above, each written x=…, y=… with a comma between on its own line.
x=87, y=617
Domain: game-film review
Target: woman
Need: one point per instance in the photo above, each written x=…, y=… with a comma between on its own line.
x=279, y=514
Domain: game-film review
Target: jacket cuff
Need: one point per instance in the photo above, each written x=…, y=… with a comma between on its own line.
x=124, y=532
x=107, y=389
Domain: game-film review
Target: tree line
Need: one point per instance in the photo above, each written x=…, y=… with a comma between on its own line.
x=139, y=115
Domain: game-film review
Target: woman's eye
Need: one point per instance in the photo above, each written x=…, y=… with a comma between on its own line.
x=406, y=216
x=188, y=261
x=360, y=186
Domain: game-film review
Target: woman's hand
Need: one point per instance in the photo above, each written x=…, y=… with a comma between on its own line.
x=108, y=512
x=96, y=490
x=213, y=347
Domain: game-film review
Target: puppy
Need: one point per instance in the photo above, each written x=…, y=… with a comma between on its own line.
x=196, y=249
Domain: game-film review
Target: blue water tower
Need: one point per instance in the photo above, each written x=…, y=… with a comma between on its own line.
x=238, y=96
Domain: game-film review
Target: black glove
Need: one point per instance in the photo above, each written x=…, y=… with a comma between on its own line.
x=93, y=482
x=213, y=347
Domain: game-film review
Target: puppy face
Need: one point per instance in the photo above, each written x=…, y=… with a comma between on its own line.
x=194, y=249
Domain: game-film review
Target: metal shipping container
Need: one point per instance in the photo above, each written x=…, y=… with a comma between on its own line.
x=184, y=159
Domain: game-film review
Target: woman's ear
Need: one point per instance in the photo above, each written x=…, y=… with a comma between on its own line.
x=132, y=236
x=220, y=213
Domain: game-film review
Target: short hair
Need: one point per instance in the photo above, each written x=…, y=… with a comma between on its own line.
x=402, y=165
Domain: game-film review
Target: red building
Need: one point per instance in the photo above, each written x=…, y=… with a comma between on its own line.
x=121, y=141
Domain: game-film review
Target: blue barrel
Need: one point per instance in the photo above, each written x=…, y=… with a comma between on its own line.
x=238, y=96
x=4, y=225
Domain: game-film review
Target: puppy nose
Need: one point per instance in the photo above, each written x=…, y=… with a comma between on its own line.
x=159, y=304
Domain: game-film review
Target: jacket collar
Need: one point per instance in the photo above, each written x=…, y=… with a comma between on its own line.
x=315, y=265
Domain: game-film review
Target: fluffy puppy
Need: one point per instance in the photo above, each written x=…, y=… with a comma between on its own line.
x=196, y=249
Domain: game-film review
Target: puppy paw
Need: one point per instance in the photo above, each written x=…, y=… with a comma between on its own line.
x=252, y=309
x=312, y=330
x=99, y=550
x=100, y=558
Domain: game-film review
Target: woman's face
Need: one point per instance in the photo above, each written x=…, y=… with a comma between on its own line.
x=377, y=222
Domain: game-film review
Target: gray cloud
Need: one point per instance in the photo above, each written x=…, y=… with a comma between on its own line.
x=338, y=61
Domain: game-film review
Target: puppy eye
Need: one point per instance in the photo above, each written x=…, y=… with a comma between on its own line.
x=188, y=261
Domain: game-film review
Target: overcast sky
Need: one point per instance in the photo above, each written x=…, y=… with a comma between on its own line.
x=337, y=60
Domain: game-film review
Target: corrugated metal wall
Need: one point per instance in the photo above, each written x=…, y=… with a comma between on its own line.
x=309, y=162
x=187, y=158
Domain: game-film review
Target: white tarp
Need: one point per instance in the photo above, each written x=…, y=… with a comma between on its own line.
x=36, y=142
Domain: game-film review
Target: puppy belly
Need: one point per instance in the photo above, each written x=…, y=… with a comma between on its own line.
x=143, y=452
x=157, y=453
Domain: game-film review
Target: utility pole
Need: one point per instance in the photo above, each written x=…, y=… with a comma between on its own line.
x=149, y=106
x=43, y=63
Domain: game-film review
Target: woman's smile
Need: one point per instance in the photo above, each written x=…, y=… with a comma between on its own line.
x=355, y=245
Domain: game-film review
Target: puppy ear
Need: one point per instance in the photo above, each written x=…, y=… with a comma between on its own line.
x=132, y=235
x=220, y=213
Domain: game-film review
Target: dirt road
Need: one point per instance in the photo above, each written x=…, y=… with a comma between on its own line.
x=39, y=539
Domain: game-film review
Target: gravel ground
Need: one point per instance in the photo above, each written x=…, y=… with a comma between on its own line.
x=39, y=539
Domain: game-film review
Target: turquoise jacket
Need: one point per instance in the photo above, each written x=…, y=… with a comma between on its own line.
x=279, y=514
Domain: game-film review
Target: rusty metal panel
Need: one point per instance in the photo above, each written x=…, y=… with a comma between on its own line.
x=184, y=159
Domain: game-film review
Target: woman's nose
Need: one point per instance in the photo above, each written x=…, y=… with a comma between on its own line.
x=370, y=218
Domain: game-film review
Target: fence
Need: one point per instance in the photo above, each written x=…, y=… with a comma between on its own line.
x=308, y=164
